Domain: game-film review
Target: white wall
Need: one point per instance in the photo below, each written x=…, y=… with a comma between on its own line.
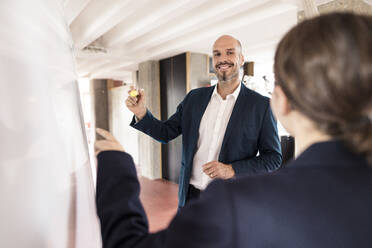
x=119, y=119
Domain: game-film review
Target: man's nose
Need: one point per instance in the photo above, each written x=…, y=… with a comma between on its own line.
x=222, y=58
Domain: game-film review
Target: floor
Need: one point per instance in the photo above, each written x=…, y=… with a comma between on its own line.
x=159, y=198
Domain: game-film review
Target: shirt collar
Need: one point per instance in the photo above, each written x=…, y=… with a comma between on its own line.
x=235, y=94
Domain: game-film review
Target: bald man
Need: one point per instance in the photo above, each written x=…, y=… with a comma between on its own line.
x=223, y=127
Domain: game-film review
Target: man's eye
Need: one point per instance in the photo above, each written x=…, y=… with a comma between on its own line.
x=217, y=54
x=230, y=53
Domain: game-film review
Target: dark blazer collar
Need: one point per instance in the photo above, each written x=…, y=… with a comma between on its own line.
x=243, y=89
x=206, y=95
x=240, y=103
x=199, y=107
x=329, y=153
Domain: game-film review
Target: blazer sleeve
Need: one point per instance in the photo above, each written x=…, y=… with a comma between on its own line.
x=162, y=131
x=270, y=155
x=207, y=222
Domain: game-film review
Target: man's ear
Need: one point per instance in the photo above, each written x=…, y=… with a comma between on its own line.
x=241, y=60
x=283, y=105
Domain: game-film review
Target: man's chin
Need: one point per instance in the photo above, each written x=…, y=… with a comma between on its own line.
x=221, y=74
x=226, y=78
x=223, y=77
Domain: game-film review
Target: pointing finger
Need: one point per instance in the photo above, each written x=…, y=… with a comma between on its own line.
x=107, y=135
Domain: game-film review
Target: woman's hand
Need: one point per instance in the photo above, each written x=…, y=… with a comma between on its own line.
x=109, y=143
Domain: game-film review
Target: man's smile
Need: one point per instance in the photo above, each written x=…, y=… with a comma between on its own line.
x=224, y=66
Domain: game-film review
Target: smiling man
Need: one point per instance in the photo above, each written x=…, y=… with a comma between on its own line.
x=223, y=127
x=226, y=69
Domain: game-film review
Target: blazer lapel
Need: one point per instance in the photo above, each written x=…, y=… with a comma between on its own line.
x=201, y=106
x=198, y=112
x=234, y=119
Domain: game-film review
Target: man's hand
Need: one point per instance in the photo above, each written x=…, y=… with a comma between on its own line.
x=136, y=104
x=108, y=144
x=217, y=169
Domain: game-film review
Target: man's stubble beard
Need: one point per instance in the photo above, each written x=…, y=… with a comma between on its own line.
x=225, y=79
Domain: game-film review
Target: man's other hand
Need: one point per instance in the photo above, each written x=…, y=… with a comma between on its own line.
x=217, y=169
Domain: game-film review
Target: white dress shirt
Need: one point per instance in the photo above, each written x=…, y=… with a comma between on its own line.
x=211, y=133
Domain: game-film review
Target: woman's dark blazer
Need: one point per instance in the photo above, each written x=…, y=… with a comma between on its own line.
x=322, y=199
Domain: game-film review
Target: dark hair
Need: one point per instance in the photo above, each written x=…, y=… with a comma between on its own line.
x=324, y=66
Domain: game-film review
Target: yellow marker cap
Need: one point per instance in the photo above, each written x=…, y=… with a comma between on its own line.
x=133, y=93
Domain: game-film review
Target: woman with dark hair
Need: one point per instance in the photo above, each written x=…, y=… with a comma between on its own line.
x=323, y=96
x=323, y=71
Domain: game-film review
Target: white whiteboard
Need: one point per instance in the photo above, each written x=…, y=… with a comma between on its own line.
x=46, y=186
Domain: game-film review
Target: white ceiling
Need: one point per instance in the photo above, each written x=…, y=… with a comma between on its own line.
x=122, y=33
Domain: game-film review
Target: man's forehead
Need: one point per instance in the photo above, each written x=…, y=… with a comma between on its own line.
x=215, y=49
x=225, y=44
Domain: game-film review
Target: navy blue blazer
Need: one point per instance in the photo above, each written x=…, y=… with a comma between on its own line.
x=322, y=199
x=251, y=128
